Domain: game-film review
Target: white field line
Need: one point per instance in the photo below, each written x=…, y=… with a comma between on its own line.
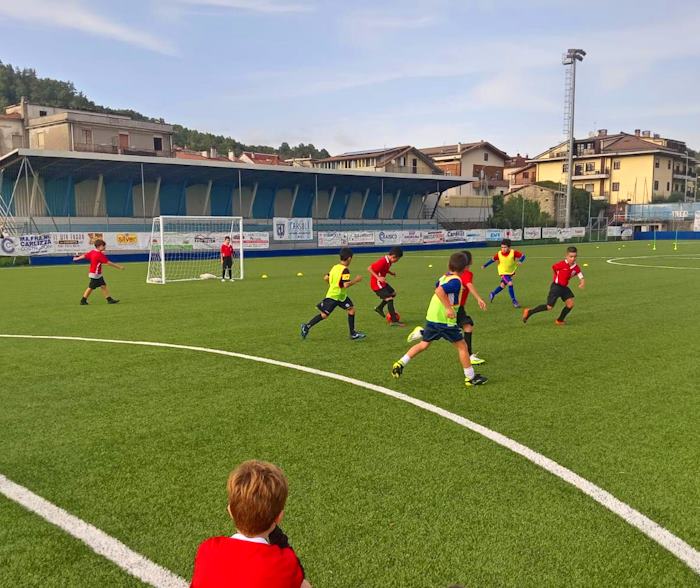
x=675, y=545
x=616, y=261
x=105, y=545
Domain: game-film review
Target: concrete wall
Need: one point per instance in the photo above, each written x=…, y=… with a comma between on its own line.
x=11, y=135
x=55, y=137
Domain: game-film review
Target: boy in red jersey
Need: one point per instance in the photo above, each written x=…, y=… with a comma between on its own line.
x=226, y=259
x=378, y=272
x=258, y=555
x=97, y=258
x=563, y=272
x=508, y=260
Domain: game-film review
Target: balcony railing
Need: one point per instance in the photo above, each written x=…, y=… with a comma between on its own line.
x=116, y=150
x=580, y=173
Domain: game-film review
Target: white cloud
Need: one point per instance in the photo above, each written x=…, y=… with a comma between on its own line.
x=265, y=6
x=76, y=15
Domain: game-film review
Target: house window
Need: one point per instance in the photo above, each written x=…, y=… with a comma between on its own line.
x=526, y=175
x=486, y=156
x=402, y=162
x=565, y=168
x=157, y=144
x=616, y=164
x=87, y=136
x=656, y=184
x=414, y=165
x=669, y=164
x=588, y=188
x=42, y=113
x=656, y=163
x=590, y=166
x=668, y=186
x=40, y=140
x=17, y=142
x=616, y=186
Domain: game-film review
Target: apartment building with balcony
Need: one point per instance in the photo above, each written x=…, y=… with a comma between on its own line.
x=402, y=160
x=59, y=129
x=623, y=167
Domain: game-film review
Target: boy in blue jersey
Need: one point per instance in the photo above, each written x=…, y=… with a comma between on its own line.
x=441, y=322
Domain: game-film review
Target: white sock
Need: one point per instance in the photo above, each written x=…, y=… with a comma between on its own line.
x=469, y=372
x=405, y=359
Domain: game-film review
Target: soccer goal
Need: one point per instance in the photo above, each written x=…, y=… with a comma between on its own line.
x=186, y=248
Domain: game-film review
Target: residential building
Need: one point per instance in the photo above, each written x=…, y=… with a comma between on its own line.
x=550, y=201
x=402, y=160
x=61, y=129
x=210, y=155
x=481, y=160
x=11, y=132
x=623, y=167
x=301, y=161
x=261, y=158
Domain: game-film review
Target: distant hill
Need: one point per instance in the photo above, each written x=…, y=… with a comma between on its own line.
x=16, y=82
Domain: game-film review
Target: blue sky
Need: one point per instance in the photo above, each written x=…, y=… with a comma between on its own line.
x=367, y=74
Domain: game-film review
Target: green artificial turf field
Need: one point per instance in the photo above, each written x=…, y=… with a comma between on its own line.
x=139, y=441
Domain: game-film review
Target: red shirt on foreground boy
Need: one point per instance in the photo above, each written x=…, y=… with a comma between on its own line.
x=258, y=555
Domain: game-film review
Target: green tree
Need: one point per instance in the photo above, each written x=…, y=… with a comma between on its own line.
x=580, y=202
x=510, y=214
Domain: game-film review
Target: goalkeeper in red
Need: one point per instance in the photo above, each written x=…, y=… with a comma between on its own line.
x=508, y=260
x=563, y=272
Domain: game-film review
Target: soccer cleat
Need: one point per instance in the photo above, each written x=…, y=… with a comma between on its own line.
x=304, y=330
x=112, y=301
x=357, y=335
x=526, y=314
x=476, y=360
x=491, y=296
x=379, y=311
x=516, y=304
x=558, y=322
x=83, y=302
x=415, y=335
x=477, y=380
x=397, y=369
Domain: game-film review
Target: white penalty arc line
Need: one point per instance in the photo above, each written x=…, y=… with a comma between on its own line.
x=105, y=545
x=616, y=261
x=675, y=545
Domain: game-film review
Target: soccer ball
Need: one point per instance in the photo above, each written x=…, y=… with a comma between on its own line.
x=388, y=317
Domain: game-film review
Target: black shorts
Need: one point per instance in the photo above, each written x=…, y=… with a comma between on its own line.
x=556, y=291
x=463, y=318
x=328, y=305
x=435, y=331
x=227, y=262
x=97, y=282
x=385, y=292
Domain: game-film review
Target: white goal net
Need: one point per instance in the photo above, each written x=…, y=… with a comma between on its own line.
x=189, y=248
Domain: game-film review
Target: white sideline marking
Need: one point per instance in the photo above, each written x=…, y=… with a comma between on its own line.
x=675, y=545
x=108, y=547
x=616, y=261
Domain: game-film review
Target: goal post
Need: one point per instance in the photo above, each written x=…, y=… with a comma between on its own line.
x=185, y=248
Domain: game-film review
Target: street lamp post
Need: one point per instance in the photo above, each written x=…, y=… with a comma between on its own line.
x=570, y=58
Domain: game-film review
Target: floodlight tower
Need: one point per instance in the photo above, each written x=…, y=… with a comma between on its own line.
x=569, y=60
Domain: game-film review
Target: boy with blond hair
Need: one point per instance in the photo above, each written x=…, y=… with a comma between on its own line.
x=258, y=555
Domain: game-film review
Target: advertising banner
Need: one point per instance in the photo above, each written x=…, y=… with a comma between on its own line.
x=73, y=242
x=432, y=237
x=331, y=239
x=360, y=237
x=550, y=232
x=387, y=237
x=411, y=237
x=256, y=240
x=513, y=234
x=292, y=229
x=533, y=233
x=474, y=235
x=696, y=221
x=455, y=236
x=26, y=245
x=494, y=234
x=578, y=231
x=614, y=231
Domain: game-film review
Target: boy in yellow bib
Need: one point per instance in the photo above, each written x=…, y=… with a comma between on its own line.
x=508, y=260
x=338, y=282
x=441, y=322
